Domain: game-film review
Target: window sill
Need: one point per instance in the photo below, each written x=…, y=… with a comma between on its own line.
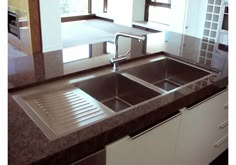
x=67, y=18
x=105, y=16
x=151, y=25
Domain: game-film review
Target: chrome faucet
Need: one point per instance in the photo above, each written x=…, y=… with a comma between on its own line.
x=116, y=59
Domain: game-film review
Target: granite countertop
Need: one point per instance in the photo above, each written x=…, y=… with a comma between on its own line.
x=26, y=142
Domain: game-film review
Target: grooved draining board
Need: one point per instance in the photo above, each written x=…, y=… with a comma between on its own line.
x=62, y=112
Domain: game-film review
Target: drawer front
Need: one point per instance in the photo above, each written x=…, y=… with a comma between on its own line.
x=98, y=158
x=220, y=125
x=203, y=131
x=156, y=146
x=217, y=105
x=218, y=147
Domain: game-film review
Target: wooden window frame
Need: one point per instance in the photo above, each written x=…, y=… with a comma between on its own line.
x=105, y=6
x=90, y=14
x=90, y=6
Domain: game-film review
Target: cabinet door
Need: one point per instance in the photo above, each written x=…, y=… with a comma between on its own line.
x=219, y=141
x=195, y=18
x=177, y=15
x=199, y=130
x=156, y=146
x=98, y=158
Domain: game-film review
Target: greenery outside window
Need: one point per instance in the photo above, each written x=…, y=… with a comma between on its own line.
x=74, y=7
x=82, y=7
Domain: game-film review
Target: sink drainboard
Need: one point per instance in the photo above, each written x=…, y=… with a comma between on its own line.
x=62, y=112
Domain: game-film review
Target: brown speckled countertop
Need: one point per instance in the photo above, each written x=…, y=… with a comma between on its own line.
x=27, y=144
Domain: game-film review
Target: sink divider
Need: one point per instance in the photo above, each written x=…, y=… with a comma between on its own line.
x=144, y=83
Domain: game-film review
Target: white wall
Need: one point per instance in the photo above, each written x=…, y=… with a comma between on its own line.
x=138, y=10
x=50, y=25
x=123, y=11
x=178, y=8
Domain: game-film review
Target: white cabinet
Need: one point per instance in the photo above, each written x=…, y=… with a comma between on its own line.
x=203, y=131
x=177, y=15
x=196, y=137
x=195, y=17
x=156, y=146
x=188, y=17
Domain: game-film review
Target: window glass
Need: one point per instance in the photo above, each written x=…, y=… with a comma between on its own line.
x=159, y=14
x=97, y=6
x=74, y=7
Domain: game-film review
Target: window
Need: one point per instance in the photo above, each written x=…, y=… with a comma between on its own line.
x=158, y=11
x=82, y=7
x=74, y=7
x=159, y=14
x=97, y=6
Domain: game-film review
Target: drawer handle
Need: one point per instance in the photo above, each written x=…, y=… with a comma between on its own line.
x=153, y=127
x=221, y=141
x=201, y=102
x=223, y=124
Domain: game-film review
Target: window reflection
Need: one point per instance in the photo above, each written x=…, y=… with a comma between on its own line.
x=109, y=48
x=76, y=53
x=159, y=14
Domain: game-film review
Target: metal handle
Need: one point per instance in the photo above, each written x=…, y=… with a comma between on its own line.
x=223, y=124
x=128, y=52
x=201, y=102
x=149, y=129
x=221, y=141
x=120, y=58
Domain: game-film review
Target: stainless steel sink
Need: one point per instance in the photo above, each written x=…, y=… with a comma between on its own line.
x=59, y=110
x=116, y=91
x=166, y=73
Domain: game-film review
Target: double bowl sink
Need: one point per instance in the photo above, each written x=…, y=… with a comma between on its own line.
x=121, y=90
x=61, y=112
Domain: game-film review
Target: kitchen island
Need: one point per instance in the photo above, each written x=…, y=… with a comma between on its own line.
x=27, y=144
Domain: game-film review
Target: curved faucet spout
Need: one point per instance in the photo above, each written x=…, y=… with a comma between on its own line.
x=115, y=60
x=118, y=34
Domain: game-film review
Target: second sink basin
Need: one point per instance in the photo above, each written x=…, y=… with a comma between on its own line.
x=116, y=91
x=166, y=73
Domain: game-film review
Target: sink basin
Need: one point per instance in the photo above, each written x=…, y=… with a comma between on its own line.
x=116, y=91
x=166, y=73
x=61, y=110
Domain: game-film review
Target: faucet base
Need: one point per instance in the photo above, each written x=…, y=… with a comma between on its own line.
x=115, y=67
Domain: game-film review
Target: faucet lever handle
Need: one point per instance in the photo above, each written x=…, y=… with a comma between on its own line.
x=128, y=52
x=120, y=58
